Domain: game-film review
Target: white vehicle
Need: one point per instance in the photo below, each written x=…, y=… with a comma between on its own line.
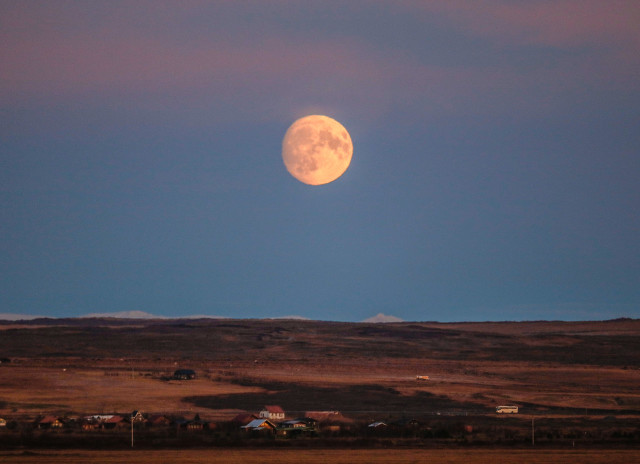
x=507, y=409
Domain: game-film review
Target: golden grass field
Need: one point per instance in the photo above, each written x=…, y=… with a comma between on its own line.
x=35, y=389
x=326, y=456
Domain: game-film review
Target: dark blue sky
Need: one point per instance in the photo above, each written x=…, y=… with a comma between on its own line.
x=495, y=173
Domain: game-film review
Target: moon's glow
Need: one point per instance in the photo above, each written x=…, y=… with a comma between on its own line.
x=316, y=149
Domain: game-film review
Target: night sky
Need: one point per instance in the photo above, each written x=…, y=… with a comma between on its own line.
x=495, y=173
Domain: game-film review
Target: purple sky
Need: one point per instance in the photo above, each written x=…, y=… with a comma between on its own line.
x=495, y=175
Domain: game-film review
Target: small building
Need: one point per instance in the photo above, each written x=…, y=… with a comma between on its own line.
x=3, y=422
x=297, y=427
x=137, y=417
x=159, y=420
x=115, y=422
x=272, y=413
x=260, y=425
x=195, y=424
x=89, y=423
x=422, y=377
x=50, y=422
x=184, y=374
x=294, y=424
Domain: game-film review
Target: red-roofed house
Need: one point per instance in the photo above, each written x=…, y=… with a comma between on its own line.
x=272, y=413
x=115, y=422
x=50, y=422
x=159, y=420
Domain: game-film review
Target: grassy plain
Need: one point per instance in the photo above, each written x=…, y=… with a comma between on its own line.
x=77, y=366
x=579, y=381
x=324, y=456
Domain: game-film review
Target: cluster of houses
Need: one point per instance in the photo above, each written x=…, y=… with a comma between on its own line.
x=270, y=420
x=108, y=421
x=111, y=422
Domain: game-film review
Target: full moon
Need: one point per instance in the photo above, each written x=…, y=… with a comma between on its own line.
x=316, y=149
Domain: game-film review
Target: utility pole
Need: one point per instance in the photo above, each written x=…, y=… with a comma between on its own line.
x=533, y=432
x=132, y=430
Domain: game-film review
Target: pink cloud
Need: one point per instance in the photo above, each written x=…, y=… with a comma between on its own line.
x=48, y=57
x=600, y=40
x=560, y=23
x=291, y=74
x=49, y=52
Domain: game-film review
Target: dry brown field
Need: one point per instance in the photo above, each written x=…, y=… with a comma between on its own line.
x=401, y=456
x=109, y=365
x=558, y=373
x=62, y=386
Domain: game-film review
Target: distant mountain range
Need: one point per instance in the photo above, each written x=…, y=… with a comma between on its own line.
x=125, y=315
x=379, y=318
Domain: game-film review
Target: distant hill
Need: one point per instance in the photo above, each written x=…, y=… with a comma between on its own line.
x=383, y=318
x=606, y=343
x=17, y=317
x=125, y=315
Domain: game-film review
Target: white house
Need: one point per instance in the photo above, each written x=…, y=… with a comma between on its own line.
x=272, y=413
